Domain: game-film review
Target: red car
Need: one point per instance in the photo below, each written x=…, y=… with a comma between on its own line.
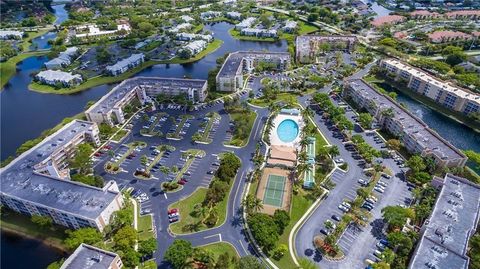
x=107, y=147
x=181, y=182
x=97, y=154
x=172, y=211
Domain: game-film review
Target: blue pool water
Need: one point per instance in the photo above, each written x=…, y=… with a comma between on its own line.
x=287, y=131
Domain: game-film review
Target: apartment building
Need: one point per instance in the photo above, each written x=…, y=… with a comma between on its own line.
x=196, y=46
x=64, y=59
x=234, y=15
x=246, y=23
x=109, y=109
x=417, y=137
x=308, y=47
x=93, y=31
x=230, y=76
x=207, y=15
x=259, y=32
x=54, y=77
x=443, y=93
x=38, y=182
x=90, y=257
x=290, y=26
x=445, y=234
x=126, y=64
x=180, y=27
x=9, y=34
x=448, y=36
x=189, y=36
x=186, y=18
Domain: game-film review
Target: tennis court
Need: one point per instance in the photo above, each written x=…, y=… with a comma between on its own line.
x=274, y=190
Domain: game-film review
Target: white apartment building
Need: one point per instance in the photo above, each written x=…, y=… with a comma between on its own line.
x=186, y=18
x=52, y=77
x=64, y=59
x=234, y=15
x=443, y=93
x=290, y=26
x=126, y=64
x=94, y=31
x=196, y=46
x=417, y=137
x=189, y=36
x=109, y=109
x=246, y=23
x=181, y=27
x=259, y=32
x=207, y=15
x=90, y=257
x=230, y=76
x=308, y=46
x=38, y=182
x=9, y=34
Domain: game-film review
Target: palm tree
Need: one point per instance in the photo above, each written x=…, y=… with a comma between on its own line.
x=306, y=264
x=334, y=151
x=302, y=157
x=252, y=204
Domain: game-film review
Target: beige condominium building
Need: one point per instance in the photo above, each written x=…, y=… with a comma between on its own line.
x=413, y=132
x=38, y=182
x=443, y=93
x=109, y=109
x=308, y=47
x=90, y=257
x=230, y=76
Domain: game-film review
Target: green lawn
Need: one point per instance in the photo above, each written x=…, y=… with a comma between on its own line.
x=9, y=68
x=21, y=224
x=219, y=248
x=300, y=204
x=284, y=97
x=150, y=264
x=119, y=135
x=186, y=206
x=198, y=28
x=236, y=141
x=205, y=134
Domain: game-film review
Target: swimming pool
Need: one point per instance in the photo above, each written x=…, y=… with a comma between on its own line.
x=287, y=130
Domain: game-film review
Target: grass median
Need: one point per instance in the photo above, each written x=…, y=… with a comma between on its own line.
x=220, y=248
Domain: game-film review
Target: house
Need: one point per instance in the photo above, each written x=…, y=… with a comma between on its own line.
x=448, y=36
x=290, y=26
x=264, y=33
x=387, y=20
x=53, y=77
x=94, y=31
x=246, y=23
x=186, y=18
x=234, y=15
x=188, y=37
x=180, y=27
x=7, y=34
x=124, y=65
x=196, y=46
x=90, y=257
x=424, y=15
x=63, y=60
x=208, y=15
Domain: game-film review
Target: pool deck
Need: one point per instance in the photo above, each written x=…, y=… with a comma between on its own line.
x=275, y=139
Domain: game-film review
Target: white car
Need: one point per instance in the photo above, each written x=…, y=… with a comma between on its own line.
x=362, y=182
x=344, y=209
x=379, y=190
x=382, y=183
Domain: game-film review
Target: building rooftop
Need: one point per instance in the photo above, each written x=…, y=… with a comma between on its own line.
x=89, y=257
x=464, y=93
x=108, y=101
x=18, y=179
x=234, y=60
x=411, y=125
x=453, y=221
x=125, y=62
x=389, y=19
x=246, y=22
x=55, y=75
x=304, y=41
x=5, y=33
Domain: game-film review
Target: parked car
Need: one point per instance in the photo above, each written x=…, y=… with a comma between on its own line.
x=335, y=217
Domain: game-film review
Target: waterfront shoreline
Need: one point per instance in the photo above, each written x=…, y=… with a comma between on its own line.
x=46, y=241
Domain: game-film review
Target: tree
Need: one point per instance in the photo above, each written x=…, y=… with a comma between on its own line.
x=146, y=28
x=178, y=253
x=82, y=160
x=185, y=54
x=420, y=178
x=125, y=238
x=252, y=204
x=282, y=219
x=83, y=235
x=280, y=251
x=365, y=120
x=249, y=262
x=42, y=221
x=396, y=216
x=103, y=56
x=223, y=261
x=394, y=144
x=96, y=181
x=312, y=17
x=130, y=257
x=334, y=151
x=264, y=230
x=147, y=247
x=400, y=243
x=216, y=192
x=416, y=163
x=56, y=264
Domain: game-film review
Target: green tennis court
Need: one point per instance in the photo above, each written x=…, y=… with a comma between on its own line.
x=274, y=191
